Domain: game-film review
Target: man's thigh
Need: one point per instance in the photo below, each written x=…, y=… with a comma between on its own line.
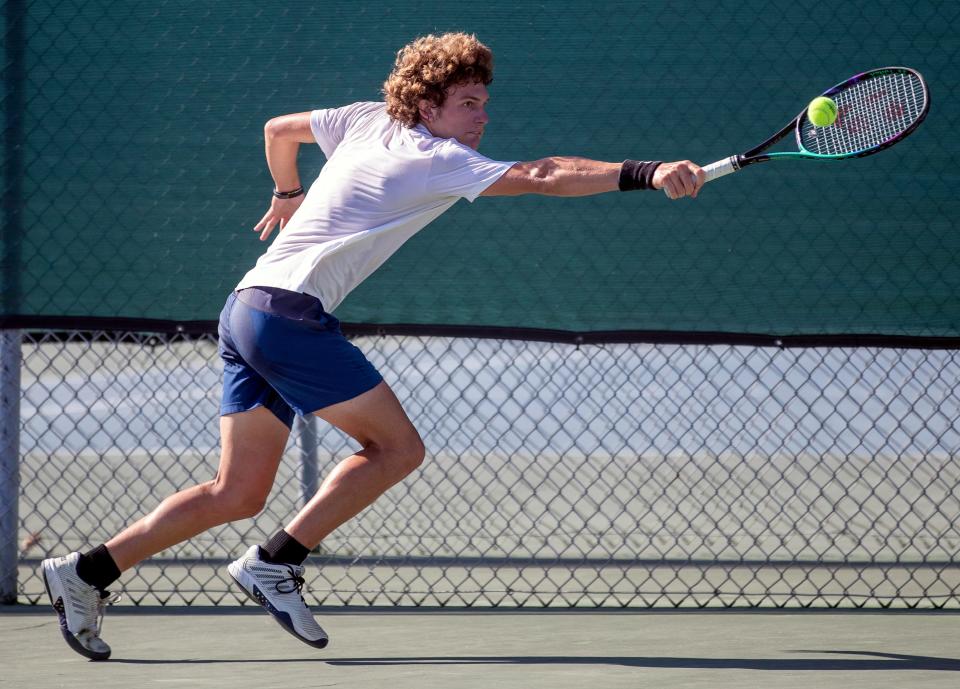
x=252, y=444
x=375, y=416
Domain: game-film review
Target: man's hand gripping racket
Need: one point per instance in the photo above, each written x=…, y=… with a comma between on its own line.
x=875, y=110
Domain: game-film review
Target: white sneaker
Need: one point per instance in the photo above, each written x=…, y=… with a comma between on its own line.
x=279, y=589
x=79, y=606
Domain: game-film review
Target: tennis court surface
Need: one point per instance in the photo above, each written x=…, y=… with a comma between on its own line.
x=217, y=648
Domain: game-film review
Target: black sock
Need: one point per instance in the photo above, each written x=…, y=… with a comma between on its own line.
x=284, y=549
x=97, y=568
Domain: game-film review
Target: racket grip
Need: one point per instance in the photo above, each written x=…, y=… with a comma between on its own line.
x=721, y=168
x=717, y=169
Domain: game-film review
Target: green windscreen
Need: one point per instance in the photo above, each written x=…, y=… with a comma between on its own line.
x=137, y=170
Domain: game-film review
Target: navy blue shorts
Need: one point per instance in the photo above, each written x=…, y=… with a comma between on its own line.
x=282, y=351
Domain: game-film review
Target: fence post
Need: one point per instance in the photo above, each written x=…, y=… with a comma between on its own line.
x=9, y=462
x=14, y=78
x=309, y=466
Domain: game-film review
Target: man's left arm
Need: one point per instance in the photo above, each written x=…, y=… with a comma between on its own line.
x=282, y=138
x=566, y=176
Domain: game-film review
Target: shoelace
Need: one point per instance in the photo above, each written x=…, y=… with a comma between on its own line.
x=106, y=598
x=291, y=584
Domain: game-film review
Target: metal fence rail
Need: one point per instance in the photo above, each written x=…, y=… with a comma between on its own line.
x=557, y=475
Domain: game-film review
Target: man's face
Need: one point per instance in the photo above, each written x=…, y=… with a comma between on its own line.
x=462, y=116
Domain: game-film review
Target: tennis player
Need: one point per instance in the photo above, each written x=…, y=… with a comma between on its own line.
x=391, y=169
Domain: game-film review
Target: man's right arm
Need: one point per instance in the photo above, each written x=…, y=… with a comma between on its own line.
x=565, y=176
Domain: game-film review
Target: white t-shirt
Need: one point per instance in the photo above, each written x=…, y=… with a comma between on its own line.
x=382, y=183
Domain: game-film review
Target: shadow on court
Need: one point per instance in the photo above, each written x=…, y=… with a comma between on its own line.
x=877, y=661
x=880, y=661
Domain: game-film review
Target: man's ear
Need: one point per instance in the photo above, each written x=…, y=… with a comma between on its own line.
x=426, y=109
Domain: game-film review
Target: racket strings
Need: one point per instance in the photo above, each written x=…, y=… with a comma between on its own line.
x=869, y=113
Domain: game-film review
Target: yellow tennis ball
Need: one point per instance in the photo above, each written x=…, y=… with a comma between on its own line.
x=822, y=111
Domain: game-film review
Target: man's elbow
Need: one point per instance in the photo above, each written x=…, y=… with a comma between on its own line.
x=540, y=176
x=534, y=177
x=270, y=129
x=275, y=128
x=541, y=171
x=292, y=127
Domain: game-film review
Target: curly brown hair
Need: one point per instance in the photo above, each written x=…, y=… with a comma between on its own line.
x=428, y=66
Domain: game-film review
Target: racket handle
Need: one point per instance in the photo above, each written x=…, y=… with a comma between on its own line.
x=721, y=168
x=717, y=169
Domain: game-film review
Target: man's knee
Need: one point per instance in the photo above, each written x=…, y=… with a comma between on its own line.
x=415, y=452
x=237, y=502
x=404, y=453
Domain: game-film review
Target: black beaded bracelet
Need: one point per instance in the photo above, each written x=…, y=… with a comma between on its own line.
x=288, y=194
x=637, y=174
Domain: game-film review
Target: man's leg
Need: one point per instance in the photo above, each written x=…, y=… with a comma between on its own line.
x=252, y=446
x=272, y=575
x=392, y=448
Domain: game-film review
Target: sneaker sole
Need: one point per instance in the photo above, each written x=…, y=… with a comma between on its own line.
x=62, y=616
x=281, y=618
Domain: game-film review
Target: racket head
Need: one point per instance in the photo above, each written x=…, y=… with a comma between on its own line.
x=875, y=110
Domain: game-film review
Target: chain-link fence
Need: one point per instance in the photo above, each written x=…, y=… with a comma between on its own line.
x=557, y=475
x=134, y=164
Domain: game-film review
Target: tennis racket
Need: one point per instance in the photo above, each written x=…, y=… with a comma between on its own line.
x=875, y=110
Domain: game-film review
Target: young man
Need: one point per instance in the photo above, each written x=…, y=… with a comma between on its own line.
x=391, y=169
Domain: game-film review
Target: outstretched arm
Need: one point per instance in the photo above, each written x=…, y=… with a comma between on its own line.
x=282, y=138
x=564, y=176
